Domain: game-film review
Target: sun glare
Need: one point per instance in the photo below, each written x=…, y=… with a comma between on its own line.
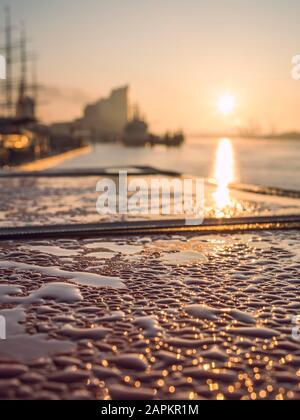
x=226, y=104
x=224, y=175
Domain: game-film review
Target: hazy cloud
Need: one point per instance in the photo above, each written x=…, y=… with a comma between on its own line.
x=56, y=93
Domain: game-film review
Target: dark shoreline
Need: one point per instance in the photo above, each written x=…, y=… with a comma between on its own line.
x=47, y=161
x=283, y=137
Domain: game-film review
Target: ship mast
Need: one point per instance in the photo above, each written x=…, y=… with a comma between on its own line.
x=26, y=104
x=35, y=84
x=23, y=60
x=19, y=96
x=9, y=104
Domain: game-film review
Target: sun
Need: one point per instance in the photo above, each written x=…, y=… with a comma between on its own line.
x=226, y=104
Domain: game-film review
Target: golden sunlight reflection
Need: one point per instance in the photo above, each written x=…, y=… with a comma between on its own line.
x=224, y=175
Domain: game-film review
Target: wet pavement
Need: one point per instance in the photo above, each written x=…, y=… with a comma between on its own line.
x=160, y=317
x=39, y=201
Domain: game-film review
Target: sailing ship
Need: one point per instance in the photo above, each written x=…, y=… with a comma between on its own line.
x=22, y=136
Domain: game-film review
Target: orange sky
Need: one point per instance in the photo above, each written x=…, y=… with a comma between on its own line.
x=178, y=57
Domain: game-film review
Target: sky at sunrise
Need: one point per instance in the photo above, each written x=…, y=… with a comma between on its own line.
x=180, y=58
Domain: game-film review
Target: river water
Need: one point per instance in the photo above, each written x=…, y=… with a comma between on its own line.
x=262, y=162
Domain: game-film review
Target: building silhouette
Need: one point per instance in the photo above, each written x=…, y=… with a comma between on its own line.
x=107, y=117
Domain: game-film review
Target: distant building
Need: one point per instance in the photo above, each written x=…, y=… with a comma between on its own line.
x=107, y=117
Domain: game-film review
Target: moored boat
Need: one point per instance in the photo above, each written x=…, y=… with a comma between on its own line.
x=136, y=134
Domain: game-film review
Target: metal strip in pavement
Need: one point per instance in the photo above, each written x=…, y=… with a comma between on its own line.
x=170, y=227
x=89, y=172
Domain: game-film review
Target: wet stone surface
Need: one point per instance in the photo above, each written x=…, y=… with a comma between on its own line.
x=197, y=317
x=40, y=201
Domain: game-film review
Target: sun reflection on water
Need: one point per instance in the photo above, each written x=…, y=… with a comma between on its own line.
x=224, y=176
